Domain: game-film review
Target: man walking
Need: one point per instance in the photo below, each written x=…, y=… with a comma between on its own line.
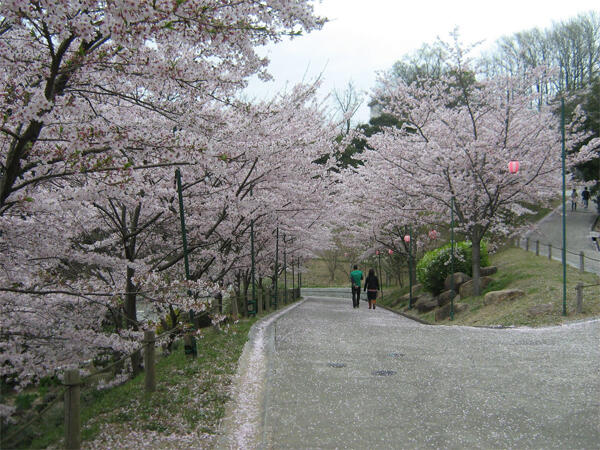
x=585, y=196
x=356, y=277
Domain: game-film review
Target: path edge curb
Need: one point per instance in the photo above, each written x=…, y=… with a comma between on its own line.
x=408, y=316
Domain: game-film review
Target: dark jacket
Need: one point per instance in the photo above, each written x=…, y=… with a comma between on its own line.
x=372, y=283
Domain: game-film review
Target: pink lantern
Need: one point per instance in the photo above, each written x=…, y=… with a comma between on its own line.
x=513, y=166
x=390, y=251
x=407, y=238
x=377, y=252
x=433, y=234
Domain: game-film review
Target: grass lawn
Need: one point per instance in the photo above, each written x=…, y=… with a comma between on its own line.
x=542, y=282
x=184, y=412
x=317, y=274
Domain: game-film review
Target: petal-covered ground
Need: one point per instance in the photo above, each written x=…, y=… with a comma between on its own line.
x=325, y=375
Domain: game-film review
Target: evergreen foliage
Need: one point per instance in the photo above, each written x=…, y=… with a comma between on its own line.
x=435, y=266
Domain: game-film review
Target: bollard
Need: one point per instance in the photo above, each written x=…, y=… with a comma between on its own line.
x=149, y=359
x=579, y=290
x=527, y=244
x=537, y=248
x=549, y=251
x=581, y=262
x=72, y=416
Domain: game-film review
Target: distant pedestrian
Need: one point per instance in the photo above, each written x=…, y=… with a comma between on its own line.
x=574, y=200
x=372, y=287
x=356, y=277
x=585, y=197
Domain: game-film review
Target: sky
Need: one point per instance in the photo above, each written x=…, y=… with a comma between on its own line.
x=364, y=37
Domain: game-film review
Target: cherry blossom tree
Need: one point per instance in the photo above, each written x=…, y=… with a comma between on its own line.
x=457, y=137
x=101, y=101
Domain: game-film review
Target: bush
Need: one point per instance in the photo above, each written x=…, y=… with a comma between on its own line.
x=434, y=267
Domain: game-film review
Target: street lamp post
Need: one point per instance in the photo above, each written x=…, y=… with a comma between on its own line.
x=293, y=280
x=390, y=253
x=284, y=270
x=408, y=240
x=252, y=303
x=452, y=258
x=299, y=278
x=564, y=208
x=378, y=253
x=276, y=276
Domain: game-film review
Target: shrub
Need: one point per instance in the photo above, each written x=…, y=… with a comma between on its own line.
x=434, y=267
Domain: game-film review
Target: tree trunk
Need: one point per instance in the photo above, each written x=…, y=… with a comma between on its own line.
x=476, y=260
x=130, y=301
x=235, y=311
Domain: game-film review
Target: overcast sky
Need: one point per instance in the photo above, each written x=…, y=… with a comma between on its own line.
x=363, y=37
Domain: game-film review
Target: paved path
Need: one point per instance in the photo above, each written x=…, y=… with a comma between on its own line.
x=579, y=224
x=312, y=376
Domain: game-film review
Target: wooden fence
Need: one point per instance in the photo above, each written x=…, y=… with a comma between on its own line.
x=584, y=261
x=70, y=394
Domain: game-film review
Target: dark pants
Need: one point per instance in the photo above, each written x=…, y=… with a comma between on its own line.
x=355, y=296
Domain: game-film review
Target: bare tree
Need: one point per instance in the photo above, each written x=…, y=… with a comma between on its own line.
x=347, y=103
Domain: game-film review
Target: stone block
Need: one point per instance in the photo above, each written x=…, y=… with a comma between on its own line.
x=487, y=271
x=426, y=302
x=501, y=296
x=459, y=278
x=445, y=297
x=540, y=310
x=466, y=289
x=417, y=289
x=444, y=312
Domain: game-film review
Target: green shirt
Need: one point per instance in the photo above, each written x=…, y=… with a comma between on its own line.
x=356, y=277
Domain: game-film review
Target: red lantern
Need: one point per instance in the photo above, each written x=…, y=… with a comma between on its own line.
x=433, y=234
x=390, y=251
x=377, y=252
x=407, y=238
x=513, y=166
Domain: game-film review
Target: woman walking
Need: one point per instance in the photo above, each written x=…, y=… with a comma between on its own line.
x=371, y=286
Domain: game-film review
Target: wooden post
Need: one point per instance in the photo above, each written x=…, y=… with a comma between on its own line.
x=243, y=305
x=259, y=301
x=537, y=248
x=579, y=290
x=149, y=359
x=549, y=251
x=72, y=416
x=268, y=299
x=189, y=345
x=581, y=262
x=527, y=244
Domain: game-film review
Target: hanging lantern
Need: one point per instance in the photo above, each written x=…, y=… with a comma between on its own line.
x=377, y=252
x=433, y=234
x=513, y=166
x=390, y=251
x=407, y=238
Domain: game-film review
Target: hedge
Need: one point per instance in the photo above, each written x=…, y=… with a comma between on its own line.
x=434, y=267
